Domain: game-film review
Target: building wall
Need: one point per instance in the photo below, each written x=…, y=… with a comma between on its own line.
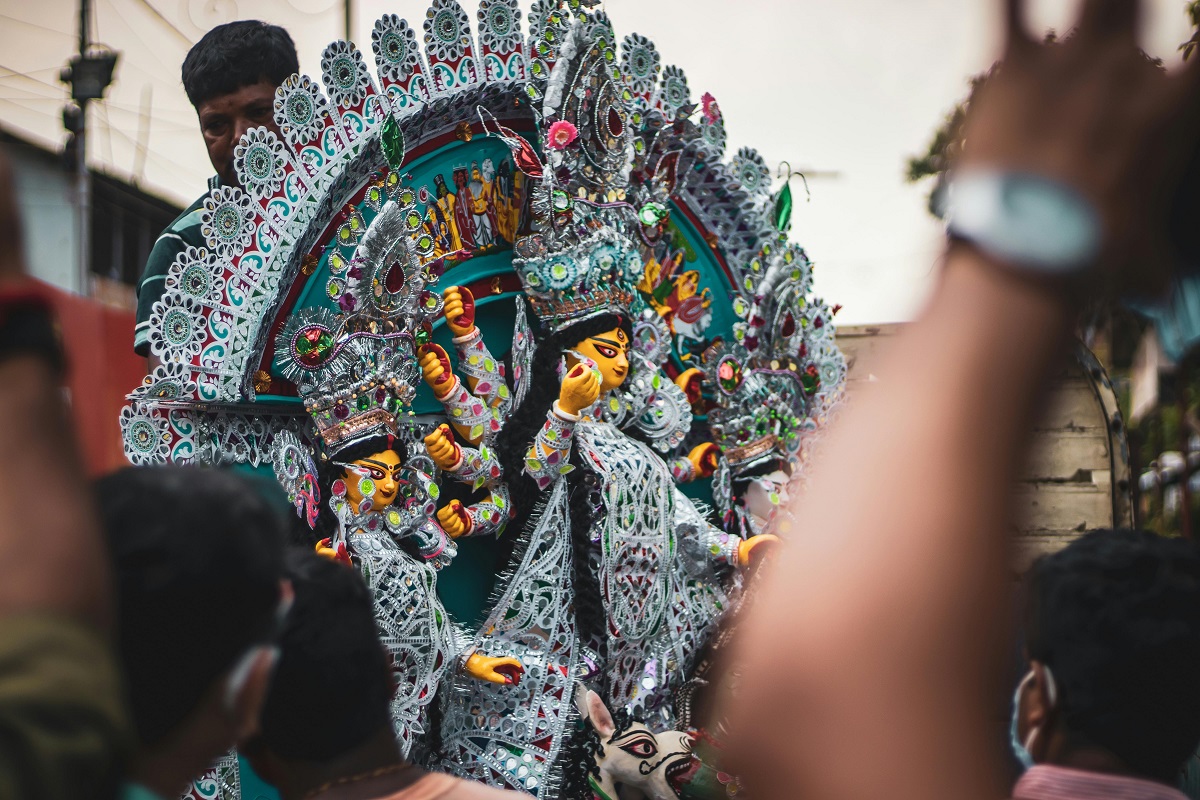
x=1077, y=475
x=44, y=195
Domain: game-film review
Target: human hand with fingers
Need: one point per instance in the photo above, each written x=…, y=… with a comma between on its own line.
x=1093, y=114
x=756, y=547
x=325, y=549
x=580, y=388
x=691, y=381
x=459, y=309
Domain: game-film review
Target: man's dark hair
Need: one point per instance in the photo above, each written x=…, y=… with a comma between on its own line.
x=238, y=54
x=332, y=685
x=1116, y=617
x=198, y=557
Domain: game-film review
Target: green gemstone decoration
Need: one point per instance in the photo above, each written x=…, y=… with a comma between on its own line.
x=783, y=208
x=434, y=491
x=393, y=142
x=393, y=517
x=366, y=487
x=652, y=213
x=423, y=336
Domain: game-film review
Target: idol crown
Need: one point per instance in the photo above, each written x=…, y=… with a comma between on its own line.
x=594, y=275
x=355, y=364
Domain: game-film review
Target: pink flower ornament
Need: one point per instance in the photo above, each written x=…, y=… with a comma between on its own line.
x=561, y=134
x=712, y=111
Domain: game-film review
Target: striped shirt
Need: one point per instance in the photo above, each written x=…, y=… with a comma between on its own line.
x=181, y=234
x=1044, y=782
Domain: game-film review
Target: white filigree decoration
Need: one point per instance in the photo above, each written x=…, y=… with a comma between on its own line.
x=198, y=274
x=499, y=25
x=170, y=380
x=259, y=159
x=673, y=93
x=640, y=63
x=177, y=328
x=447, y=35
x=395, y=46
x=344, y=74
x=299, y=109
x=145, y=436
x=227, y=222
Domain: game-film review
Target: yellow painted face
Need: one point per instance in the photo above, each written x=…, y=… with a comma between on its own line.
x=377, y=476
x=609, y=350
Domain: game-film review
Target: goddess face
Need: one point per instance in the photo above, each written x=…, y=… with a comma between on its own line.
x=610, y=352
x=766, y=493
x=377, y=476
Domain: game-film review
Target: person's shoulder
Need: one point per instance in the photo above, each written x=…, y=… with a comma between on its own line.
x=439, y=786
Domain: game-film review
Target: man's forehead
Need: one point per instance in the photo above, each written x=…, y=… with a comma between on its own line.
x=231, y=102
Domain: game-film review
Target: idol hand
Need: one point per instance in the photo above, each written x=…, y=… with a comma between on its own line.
x=756, y=546
x=507, y=671
x=579, y=389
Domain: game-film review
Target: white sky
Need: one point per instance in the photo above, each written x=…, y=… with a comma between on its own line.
x=852, y=86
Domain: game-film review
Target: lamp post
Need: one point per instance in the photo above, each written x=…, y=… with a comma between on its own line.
x=89, y=73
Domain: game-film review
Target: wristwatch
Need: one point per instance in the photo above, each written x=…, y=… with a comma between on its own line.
x=1032, y=223
x=28, y=326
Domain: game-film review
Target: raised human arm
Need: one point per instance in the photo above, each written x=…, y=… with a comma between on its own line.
x=878, y=642
x=52, y=558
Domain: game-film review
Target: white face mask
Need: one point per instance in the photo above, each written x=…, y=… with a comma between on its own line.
x=1021, y=749
x=239, y=676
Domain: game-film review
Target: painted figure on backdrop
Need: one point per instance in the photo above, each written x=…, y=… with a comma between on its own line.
x=464, y=205
x=676, y=295
x=483, y=209
x=440, y=219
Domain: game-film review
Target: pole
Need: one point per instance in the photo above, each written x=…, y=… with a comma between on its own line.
x=1185, y=436
x=83, y=183
x=349, y=14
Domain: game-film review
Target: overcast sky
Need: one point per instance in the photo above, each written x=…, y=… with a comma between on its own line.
x=845, y=86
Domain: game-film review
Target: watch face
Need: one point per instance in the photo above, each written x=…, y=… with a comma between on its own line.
x=1026, y=220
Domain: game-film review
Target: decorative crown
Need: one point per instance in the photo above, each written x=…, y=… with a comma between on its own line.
x=577, y=263
x=783, y=372
x=356, y=367
x=592, y=276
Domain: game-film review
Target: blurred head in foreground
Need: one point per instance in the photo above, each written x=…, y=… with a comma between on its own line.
x=198, y=560
x=1112, y=626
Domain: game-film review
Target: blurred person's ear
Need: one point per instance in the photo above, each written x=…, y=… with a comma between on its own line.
x=244, y=705
x=1037, y=709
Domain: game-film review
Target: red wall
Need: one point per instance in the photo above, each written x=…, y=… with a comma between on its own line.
x=102, y=369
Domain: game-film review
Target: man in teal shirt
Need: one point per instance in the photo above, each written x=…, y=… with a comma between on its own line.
x=230, y=76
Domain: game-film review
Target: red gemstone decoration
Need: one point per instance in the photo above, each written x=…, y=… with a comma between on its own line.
x=615, y=126
x=341, y=411
x=380, y=395
x=394, y=280
x=789, y=325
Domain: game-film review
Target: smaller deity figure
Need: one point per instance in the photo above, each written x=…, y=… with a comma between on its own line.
x=507, y=197
x=464, y=205
x=356, y=372
x=483, y=209
x=440, y=219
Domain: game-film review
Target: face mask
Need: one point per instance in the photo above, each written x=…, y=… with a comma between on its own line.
x=1021, y=749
